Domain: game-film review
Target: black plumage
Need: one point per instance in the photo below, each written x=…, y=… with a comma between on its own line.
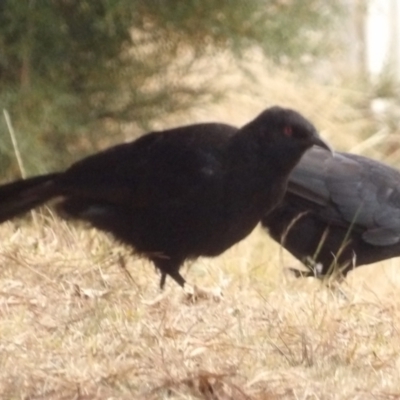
x=178, y=194
x=338, y=213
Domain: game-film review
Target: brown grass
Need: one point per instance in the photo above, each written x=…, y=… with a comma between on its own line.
x=74, y=326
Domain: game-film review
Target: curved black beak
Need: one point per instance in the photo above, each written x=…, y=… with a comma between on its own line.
x=318, y=141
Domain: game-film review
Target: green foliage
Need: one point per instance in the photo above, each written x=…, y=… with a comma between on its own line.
x=73, y=71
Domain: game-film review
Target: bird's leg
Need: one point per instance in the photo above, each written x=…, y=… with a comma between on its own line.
x=169, y=266
x=162, y=279
x=176, y=276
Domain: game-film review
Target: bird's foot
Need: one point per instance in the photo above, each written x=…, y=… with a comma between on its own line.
x=314, y=270
x=298, y=273
x=195, y=293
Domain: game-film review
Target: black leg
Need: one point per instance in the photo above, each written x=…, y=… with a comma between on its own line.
x=162, y=280
x=178, y=278
x=169, y=266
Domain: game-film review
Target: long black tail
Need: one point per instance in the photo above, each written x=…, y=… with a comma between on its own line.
x=21, y=196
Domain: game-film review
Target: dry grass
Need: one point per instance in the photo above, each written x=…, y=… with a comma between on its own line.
x=73, y=326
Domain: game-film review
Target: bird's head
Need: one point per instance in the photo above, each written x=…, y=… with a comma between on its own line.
x=284, y=127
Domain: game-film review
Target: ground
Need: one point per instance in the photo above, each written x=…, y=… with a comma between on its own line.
x=74, y=325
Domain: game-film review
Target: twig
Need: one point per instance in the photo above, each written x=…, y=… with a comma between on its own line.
x=17, y=153
x=15, y=144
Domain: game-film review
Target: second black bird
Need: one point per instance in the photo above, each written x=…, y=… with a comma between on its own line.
x=338, y=213
x=178, y=194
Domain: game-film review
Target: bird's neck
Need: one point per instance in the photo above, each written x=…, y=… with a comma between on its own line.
x=251, y=151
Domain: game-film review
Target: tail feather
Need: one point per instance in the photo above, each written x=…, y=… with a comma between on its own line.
x=19, y=197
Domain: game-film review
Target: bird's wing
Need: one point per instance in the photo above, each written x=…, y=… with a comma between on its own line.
x=351, y=191
x=383, y=190
x=159, y=169
x=307, y=180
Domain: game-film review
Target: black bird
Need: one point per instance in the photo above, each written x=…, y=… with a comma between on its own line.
x=178, y=194
x=338, y=213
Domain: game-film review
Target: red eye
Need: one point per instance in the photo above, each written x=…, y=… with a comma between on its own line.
x=287, y=130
